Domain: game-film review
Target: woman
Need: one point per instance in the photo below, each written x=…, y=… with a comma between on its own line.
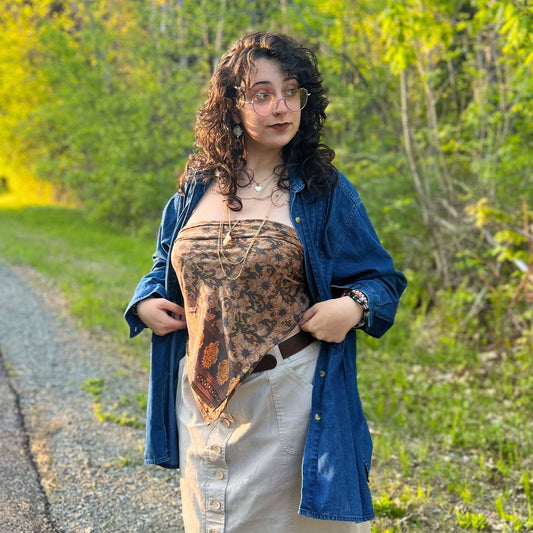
x=266, y=265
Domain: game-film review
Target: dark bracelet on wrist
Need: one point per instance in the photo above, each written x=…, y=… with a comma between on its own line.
x=359, y=297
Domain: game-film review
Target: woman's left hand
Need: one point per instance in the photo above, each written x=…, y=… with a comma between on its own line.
x=331, y=320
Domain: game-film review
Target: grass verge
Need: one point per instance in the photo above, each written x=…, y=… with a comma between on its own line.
x=453, y=434
x=95, y=268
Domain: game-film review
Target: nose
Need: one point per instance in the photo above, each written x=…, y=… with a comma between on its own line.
x=276, y=108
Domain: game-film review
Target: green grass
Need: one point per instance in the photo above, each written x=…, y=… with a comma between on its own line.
x=452, y=426
x=95, y=268
x=453, y=435
x=95, y=387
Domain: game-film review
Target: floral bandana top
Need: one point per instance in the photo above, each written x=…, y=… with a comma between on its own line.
x=233, y=323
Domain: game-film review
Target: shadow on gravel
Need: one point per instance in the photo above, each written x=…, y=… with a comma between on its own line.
x=23, y=503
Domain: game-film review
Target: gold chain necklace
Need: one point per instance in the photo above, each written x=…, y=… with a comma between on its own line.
x=220, y=246
x=274, y=196
x=227, y=238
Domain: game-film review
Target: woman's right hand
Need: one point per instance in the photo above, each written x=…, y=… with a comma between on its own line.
x=161, y=315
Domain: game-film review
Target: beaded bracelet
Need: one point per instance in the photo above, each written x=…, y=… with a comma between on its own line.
x=360, y=298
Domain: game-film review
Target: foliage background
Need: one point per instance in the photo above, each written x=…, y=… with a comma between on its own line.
x=431, y=117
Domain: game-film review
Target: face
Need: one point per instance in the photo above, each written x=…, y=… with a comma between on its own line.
x=272, y=132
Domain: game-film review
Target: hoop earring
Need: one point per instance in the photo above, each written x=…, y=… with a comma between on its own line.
x=237, y=131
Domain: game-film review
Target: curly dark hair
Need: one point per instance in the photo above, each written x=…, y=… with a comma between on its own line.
x=219, y=153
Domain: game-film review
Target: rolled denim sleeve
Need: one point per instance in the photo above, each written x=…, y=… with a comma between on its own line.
x=361, y=262
x=153, y=283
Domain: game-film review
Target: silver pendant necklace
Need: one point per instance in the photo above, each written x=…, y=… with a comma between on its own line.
x=259, y=184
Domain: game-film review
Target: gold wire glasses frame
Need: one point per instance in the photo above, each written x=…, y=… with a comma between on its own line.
x=264, y=103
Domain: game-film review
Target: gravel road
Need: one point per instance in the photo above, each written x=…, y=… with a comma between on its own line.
x=61, y=469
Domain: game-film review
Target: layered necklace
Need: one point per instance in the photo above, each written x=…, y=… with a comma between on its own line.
x=259, y=184
x=274, y=195
x=225, y=240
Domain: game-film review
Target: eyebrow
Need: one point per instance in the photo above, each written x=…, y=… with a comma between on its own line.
x=266, y=82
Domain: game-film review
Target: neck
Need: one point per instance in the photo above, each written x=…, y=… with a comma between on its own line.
x=263, y=164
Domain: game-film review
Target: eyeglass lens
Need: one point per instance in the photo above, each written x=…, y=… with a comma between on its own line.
x=264, y=104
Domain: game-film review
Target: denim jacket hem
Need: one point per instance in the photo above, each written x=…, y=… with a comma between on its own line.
x=343, y=518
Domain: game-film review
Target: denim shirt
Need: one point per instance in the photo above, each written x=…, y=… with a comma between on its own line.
x=342, y=251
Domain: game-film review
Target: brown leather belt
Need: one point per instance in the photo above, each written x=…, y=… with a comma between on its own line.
x=287, y=348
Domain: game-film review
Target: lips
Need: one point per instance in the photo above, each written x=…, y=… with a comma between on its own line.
x=280, y=126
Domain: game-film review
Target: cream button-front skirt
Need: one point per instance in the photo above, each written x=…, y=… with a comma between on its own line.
x=242, y=473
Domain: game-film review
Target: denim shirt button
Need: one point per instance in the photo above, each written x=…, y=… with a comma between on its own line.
x=297, y=220
x=318, y=417
x=322, y=374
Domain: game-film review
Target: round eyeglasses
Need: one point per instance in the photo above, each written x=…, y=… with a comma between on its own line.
x=264, y=103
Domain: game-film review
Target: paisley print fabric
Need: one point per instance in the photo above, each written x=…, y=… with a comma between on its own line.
x=232, y=323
